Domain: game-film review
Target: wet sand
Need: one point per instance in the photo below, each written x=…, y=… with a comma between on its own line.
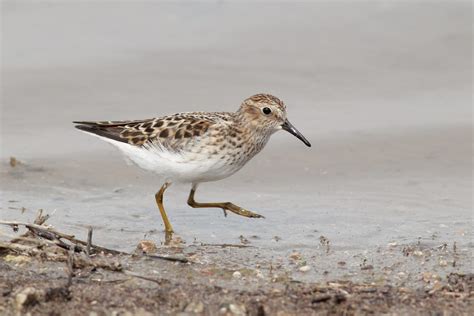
x=383, y=92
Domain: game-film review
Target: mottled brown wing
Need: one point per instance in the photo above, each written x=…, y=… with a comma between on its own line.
x=108, y=129
x=172, y=132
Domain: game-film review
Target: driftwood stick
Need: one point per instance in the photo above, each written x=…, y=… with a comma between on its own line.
x=47, y=233
x=40, y=219
x=39, y=227
x=89, y=242
x=52, y=234
x=52, y=237
x=226, y=245
x=71, y=258
x=173, y=259
x=132, y=274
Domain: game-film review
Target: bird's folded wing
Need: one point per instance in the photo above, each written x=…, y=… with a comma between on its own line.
x=170, y=132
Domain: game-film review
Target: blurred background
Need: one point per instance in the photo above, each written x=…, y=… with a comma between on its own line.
x=382, y=89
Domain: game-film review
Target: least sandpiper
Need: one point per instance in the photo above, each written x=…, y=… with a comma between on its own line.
x=197, y=147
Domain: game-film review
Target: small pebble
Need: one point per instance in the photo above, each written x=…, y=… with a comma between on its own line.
x=195, y=307
x=232, y=310
x=13, y=162
x=304, y=269
x=27, y=296
x=17, y=260
x=147, y=246
x=401, y=274
x=259, y=274
x=237, y=275
x=295, y=256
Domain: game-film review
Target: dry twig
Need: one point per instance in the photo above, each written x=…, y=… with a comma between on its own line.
x=49, y=236
x=89, y=241
x=226, y=245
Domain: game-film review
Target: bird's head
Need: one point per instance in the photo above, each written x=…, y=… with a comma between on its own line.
x=267, y=112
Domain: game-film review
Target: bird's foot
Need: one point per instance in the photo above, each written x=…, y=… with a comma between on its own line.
x=240, y=211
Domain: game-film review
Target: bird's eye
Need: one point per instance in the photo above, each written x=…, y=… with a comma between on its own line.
x=266, y=110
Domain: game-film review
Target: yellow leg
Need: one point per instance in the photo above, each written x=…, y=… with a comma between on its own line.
x=226, y=206
x=159, y=201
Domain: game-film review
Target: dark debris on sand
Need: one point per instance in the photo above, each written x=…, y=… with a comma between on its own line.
x=25, y=291
x=46, y=272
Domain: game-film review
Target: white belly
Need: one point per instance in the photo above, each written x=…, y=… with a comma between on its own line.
x=176, y=166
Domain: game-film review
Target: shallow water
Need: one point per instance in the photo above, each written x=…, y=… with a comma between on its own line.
x=386, y=105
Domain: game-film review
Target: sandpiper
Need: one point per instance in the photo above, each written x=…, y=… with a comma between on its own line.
x=197, y=147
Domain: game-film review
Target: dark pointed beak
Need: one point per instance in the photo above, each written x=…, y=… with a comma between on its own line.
x=287, y=126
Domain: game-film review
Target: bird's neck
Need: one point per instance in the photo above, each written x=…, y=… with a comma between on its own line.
x=255, y=133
